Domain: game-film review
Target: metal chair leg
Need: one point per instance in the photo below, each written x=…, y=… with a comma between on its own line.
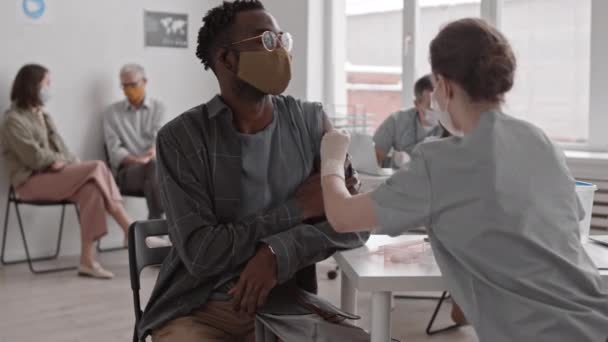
x=7, y=213
x=135, y=339
x=58, y=248
x=429, y=328
x=419, y=297
x=29, y=259
x=77, y=212
x=138, y=314
x=16, y=261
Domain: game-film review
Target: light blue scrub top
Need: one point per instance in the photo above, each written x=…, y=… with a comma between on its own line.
x=402, y=131
x=502, y=215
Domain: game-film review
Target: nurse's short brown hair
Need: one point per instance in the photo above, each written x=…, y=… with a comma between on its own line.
x=475, y=55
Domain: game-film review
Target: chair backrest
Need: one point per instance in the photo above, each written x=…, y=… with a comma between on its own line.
x=140, y=255
x=106, y=155
x=12, y=194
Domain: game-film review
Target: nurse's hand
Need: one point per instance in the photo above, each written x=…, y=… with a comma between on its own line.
x=334, y=147
x=400, y=159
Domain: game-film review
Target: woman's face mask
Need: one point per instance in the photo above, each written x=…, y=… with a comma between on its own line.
x=44, y=95
x=441, y=103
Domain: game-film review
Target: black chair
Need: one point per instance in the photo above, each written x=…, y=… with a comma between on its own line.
x=140, y=257
x=429, y=329
x=333, y=273
x=14, y=199
x=138, y=194
x=444, y=296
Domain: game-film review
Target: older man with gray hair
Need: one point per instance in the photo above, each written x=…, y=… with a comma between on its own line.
x=130, y=128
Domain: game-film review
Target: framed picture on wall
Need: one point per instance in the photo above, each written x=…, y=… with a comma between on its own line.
x=163, y=29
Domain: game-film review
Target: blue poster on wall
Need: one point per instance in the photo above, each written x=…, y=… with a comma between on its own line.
x=33, y=9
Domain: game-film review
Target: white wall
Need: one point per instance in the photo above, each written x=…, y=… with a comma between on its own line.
x=84, y=44
x=334, y=53
x=318, y=32
x=292, y=17
x=598, y=80
x=304, y=20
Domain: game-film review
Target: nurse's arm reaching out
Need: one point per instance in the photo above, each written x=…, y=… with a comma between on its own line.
x=345, y=212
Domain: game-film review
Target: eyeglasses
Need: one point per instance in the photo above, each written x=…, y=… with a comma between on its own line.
x=131, y=84
x=272, y=40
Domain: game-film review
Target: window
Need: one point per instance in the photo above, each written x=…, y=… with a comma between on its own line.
x=374, y=56
x=373, y=60
x=551, y=40
x=434, y=14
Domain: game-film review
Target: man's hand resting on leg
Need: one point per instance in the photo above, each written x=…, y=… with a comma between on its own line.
x=255, y=282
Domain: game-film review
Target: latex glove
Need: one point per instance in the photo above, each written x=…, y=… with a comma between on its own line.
x=334, y=147
x=400, y=159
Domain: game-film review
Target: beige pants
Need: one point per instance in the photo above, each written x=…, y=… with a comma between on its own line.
x=215, y=322
x=90, y=184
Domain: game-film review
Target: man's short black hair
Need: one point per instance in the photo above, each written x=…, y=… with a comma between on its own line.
x=216, y=26
x=423, y=84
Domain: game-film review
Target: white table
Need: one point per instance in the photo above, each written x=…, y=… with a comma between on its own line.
x=364, y=271
x=370, y=182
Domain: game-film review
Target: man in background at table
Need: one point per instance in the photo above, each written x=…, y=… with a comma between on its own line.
x=130, y=128
x=403, y=130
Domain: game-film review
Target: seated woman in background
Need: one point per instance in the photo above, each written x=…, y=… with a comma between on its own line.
x=42, y=168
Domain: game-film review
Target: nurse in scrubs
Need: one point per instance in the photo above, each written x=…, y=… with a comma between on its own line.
x=497, y=198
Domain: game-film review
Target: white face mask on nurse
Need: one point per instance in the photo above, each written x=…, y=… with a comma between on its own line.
x=442, y=112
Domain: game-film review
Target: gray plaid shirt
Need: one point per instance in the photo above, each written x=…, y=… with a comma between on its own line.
x=199, y=169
